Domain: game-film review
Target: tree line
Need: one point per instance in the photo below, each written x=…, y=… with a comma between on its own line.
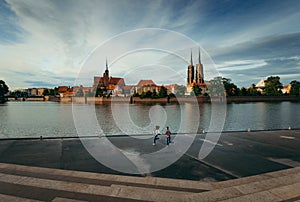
x=215, y=87
x=223, y=86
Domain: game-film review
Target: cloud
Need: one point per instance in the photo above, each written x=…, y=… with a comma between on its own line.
x=52, y=39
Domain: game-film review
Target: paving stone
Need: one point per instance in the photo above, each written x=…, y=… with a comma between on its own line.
x=268, y=184
x=275, y=186
x=60, y=199
x=4, y=197
x=148, y=194
x=283, y=172
x=260, y=196
x=240, y=181
x=118, y=178
x=287, y=192
x=214, y=195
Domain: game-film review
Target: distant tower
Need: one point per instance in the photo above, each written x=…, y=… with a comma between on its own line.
x=199, y=71
x=106, y=75
x=190, y=73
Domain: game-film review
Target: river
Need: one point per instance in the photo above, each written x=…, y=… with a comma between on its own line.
x=52, y=119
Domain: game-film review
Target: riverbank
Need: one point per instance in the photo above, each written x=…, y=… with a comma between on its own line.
x=201, y=99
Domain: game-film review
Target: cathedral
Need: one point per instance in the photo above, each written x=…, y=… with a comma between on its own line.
x=198, y=78
x=107, y=83
x=195, y=78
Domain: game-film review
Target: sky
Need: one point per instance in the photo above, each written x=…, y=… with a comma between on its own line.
x=48, y=43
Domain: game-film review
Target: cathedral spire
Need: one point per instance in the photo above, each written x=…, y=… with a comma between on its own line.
x=106, y=64
x=191, y=58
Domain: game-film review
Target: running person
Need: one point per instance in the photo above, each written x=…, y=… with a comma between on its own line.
x=168, y=134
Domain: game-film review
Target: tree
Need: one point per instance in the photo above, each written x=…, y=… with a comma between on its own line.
x=163, y=92
x=244, y=92
x=273, y=86
x=295, y=88
x=180, y=91
x=46, y=92
x=79, y=93
x=216, y=87
x=148, y=94
x=230, y=88
x=99, y=92
x=197, y=90
x=154, y=94
x=90, y=94
x=3, y=91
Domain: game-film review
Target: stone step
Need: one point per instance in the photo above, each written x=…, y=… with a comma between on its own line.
x=255, y=178
x=23, y=182
x=107, y=179
x=5, y=197
x=117, y=191
x=271, y=189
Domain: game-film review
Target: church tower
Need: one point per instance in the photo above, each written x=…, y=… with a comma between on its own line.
x=190, y=73
x=199, y=71
x=106, y=75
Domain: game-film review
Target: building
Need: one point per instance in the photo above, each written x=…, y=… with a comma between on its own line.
x=199, y=72
x=112, y=85
x=190, y=73
x=286, y=89
x=195, y=78
x=65, y=91
x=171, y=88
x=145, y=86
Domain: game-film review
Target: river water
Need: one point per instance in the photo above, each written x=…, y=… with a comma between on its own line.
x=52, y=119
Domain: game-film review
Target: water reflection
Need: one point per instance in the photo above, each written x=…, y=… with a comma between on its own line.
x=35, y=119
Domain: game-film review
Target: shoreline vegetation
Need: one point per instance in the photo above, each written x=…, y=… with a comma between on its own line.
x=132, y=100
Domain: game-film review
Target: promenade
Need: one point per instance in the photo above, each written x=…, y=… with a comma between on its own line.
x=258, y=165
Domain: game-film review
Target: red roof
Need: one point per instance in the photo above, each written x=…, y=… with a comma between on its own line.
x=116, y=81
x=62, y=89
x=127, y=87
x=111, y=81
x=146, y=83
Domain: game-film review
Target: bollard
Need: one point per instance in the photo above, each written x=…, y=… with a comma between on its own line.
x=249, y=130
x=290, y=128
x=41, y=137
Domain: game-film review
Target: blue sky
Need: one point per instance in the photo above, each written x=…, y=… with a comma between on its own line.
x=46, y=43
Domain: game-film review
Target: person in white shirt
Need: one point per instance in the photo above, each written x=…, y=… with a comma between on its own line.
x=156, y=133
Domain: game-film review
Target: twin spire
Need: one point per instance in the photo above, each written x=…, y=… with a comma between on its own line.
x=199, y=57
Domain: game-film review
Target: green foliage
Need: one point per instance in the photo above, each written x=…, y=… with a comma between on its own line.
x=154, y=94
x=273, y=86
x=180, y=91
x=46, y=92
x=135, y=94
x=230, y=88
x=197, y=90
x=172, y=95
x=295, y=88
x=148, y=94
x=163, y=92
x=3, y=91
x=216, y=87
x=90, y=94
x=100, y=91
x=143, y=95
x=79, y=93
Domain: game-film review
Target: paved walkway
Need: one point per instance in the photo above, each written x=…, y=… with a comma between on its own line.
x=236, y=155
x=25, y=183
x=257, y=166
